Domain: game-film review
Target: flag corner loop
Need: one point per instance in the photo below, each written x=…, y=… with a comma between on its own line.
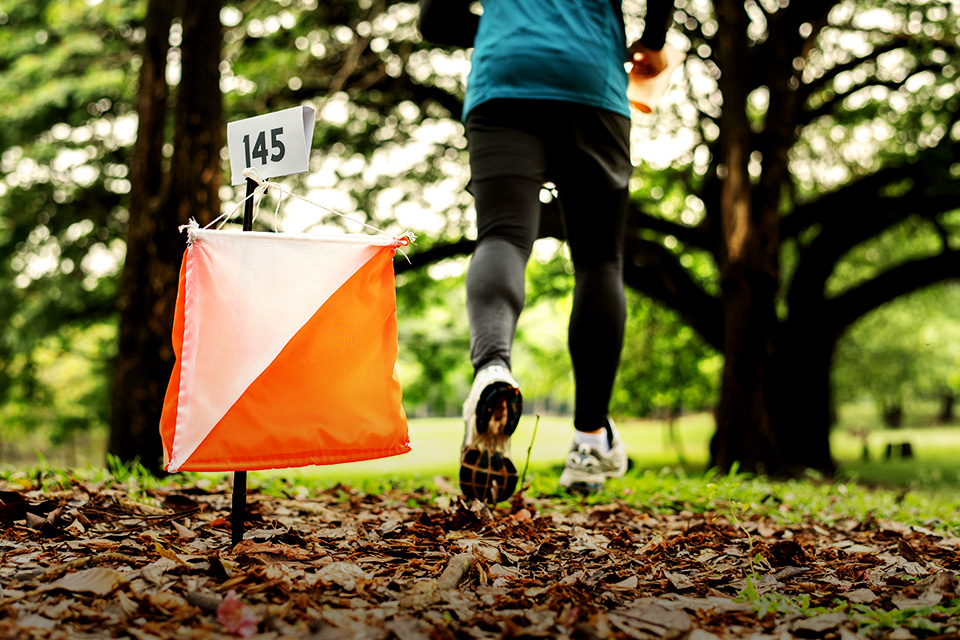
x=191, y=228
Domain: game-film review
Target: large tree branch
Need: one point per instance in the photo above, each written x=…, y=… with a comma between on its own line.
x=818, y=260
x=822, y=81
x=775, y=55
x=648, y=267
x=861, y=199
x=691, y=236
x=829, y=106
x=436, y=253
x=654, y=271
x=846, y=308
x=861, y=210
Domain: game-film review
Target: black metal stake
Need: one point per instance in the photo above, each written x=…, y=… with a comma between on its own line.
x=240, y=477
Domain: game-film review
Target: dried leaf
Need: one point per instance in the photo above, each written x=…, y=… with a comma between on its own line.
x=169, y=603
x=822, y=623
x=344, y=574
x=349, y=565
x=99, y=581
x=154, y=571
x=167, y=553
x=679, y=581
x=630, y=583
x=409, y=629
x=34, y=621
x=522, y=515
x=421, y=595
x=642, y=620
x=128, y=606
x=861, y=596
x=907, y=552
x=34, y=521
x=182, y=531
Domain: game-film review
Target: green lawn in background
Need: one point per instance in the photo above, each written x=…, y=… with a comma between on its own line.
x=921, y=492
x=436, y=447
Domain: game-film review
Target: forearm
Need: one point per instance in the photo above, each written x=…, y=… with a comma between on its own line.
x=656, y=21
x=448, y=22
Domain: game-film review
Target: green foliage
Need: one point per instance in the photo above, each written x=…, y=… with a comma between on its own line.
x=767, y=601
x=916, y=618
x=905, y=352
x=388, y=147
x=434, y=360
x=132, y=474
x=66, y=86
x=666, y=367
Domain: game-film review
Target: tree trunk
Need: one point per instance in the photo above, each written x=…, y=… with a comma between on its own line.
x=158, y=206
x=198, y=125
x=948, y=403
x=892, y=415
x=745, y=434
x=803, y=402
x=748, y=271
x=143, y=352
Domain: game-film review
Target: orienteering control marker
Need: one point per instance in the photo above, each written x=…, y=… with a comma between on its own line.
x=275, y=144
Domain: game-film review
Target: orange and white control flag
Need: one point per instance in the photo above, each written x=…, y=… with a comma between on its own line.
x=286, y=349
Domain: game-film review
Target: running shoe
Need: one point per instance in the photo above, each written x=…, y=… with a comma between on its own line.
x=490, y=414
x=587, y=469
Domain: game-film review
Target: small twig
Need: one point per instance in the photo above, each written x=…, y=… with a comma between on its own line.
x=153, y=520
x=459, y=565
x=52, y=573
x=205, y=601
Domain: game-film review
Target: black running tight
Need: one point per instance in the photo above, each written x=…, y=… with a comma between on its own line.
x=495, y=283
x=515, y=147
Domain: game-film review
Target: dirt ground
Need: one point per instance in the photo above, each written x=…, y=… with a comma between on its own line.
x=115, y=561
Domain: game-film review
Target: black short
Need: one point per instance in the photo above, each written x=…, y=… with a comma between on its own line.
x=549, y=141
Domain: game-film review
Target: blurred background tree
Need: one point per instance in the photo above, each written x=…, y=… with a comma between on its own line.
x=801, y=174
x=904, y=354
x=66, y=101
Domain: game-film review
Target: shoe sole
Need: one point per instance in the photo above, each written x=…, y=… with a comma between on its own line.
x=584, y=488
x=590, y=483
x=486, y=471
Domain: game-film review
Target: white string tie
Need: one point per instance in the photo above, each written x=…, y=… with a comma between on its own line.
x=403, y=240
x=192, y=225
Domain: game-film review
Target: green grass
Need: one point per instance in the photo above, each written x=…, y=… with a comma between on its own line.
x=918, y=491
x=436, y=443
x=921, y=492
x=436, y=446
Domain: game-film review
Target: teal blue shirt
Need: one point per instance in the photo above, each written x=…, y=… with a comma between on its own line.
x=570, y=50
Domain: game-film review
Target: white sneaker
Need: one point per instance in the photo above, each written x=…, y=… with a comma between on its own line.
x=587, y=469
x=490, y=415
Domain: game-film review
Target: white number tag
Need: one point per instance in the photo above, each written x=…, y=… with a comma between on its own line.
x=275, y=144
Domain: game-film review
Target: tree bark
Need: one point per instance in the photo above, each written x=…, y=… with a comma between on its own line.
x=948, y=404
x=748, y=271
x=159, y=204
x=802, y=407
x=198, y=122
x=137, y=389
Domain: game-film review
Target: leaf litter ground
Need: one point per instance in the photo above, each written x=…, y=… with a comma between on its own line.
x=111, y=560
